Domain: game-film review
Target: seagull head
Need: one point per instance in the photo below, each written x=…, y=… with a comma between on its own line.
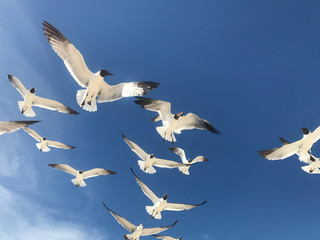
x=151, y=155
x=104, y=73
x=178, y=115
x=80, y=171
x=165, y=196
x=180, y=238
x=305, y=131
x=32, y=90
x=44, y=138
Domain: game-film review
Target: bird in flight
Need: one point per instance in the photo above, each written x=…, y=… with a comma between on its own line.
x=30, y=100
x=81, y=175
x=136, y=231
x=11, y=126
x=173, y=123
x=161, y=204
x=94, y=84
x=166, y=237
x=44, y=143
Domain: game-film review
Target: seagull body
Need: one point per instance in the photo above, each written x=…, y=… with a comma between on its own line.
x=173, y=123
x=136, y=231
x=44, y=142
x=189, y=162
x=30, y=100
x=80, y=174
x=94, y=84
x=161, y=204
x=167, y=237
x=11, y=126
x=301, y=147
x=148, y=161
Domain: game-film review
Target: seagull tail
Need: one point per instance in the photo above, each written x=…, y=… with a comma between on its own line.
x=149, y=209
x=81, y=95
x=149, y=170
x=75, y=182
x=28, y=112
x=184, y=170
x=310, y=169
x=45, y=149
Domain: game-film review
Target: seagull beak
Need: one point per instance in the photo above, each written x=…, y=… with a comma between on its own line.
x=111, y=74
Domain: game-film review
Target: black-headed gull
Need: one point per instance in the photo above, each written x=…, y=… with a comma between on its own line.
x=30, y=100
x=173, y=123
x=148, y=161
x=94, y=83
x=161, y=204
x=80, y=174
x=136, y=231
x=11, y=126
x=44, y=142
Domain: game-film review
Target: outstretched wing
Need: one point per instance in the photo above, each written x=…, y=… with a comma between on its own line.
x=65, y=168
x=33, y=133
x=96, y=172
x=18, y=85
x=151, y=231
x=191, y=121
x=71, y=57
x=52, y=105
x=199, y=159
x=135, y=148
x=162, y=163
x=180, y=152
x=283, y=152
x=146, y=190
x=164, y=237
x=11, y=126
x=58, y=145
x=122, y=221
x=181, y=207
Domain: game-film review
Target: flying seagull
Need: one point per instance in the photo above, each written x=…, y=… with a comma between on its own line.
x=81, y=175
x=136, y=231
x=301, y=147
x=44, y=142
x=30, y=100
x=94, y=83
x=173, y=123
x=314, y=162
x=11, y=126
x=148, y=161
x=167, y=237
x=161, y=204
x=189, y=162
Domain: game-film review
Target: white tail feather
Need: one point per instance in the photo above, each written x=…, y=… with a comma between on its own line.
x=81, y=95
x=167, y=137
x=75, y=182
x=310, y=169
x=28, y=112
x=149, y=209
x=184, y=170
x=45, y=149
x=149, y=170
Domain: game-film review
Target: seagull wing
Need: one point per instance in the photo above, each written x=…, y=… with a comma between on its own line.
x=135, y=148
x=122, y=221
x=181, y=153
x=130, y=89
x=167, y=163
x=285, y=151
x=71, y=57
x=164, y=237
x=33, y=134
x=161, y=107
x=11, y=126
x=199, y=159
x=181, y=207
x=52, y=105
x=147, y=191
x=58, y=145
x=151, y=231
x=191, y=121
x=97, y=172
x=316, y=134
x=18, y=85
x=65, y=168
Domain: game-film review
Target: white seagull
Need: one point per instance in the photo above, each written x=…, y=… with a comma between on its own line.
x=301, y=147
x=11, y=126
x=314, y=162
x=94, y=83
x=81, y=175
x=136, y=231
x=167, y=237
x=30, y=100
x=44, y=142
x=161, y=204
x=189, y=162
x=148, y=161
x=173, y=123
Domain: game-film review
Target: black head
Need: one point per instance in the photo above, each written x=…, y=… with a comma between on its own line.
x=305, y=131
x=165, y=196
x=151, y=155
x=44, y=138
x=80, y=171
x=178, y=115
x=180, y=238
x=32, y=90
x=104, y=73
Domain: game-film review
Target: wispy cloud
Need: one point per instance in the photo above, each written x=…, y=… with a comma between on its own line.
x=206, y=236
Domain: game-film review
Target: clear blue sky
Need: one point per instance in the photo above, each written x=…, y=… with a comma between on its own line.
x=251, y=68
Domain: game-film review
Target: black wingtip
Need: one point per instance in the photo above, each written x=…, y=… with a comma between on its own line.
x=284, y=141
x=52, y=165
x=9, y=76
x=210, y=128
x=71, y=111
x=202, y=203
x=106, y=206
x=265, y=153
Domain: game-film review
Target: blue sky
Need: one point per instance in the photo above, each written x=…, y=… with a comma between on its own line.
x=251, y=68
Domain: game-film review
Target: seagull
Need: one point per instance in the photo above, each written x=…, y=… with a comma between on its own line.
x=44, y=142
x=94, y=83
x=136, y=231
x=80, y=175
x=181, y=153
x=301, y=147
x=30, y=100
x=11, y=126
x=148, y=161
x=167, y=237
x=314, y=162
x=161, y=204
x=173, y=123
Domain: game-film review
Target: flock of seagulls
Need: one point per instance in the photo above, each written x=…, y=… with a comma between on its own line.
x=96, y=90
